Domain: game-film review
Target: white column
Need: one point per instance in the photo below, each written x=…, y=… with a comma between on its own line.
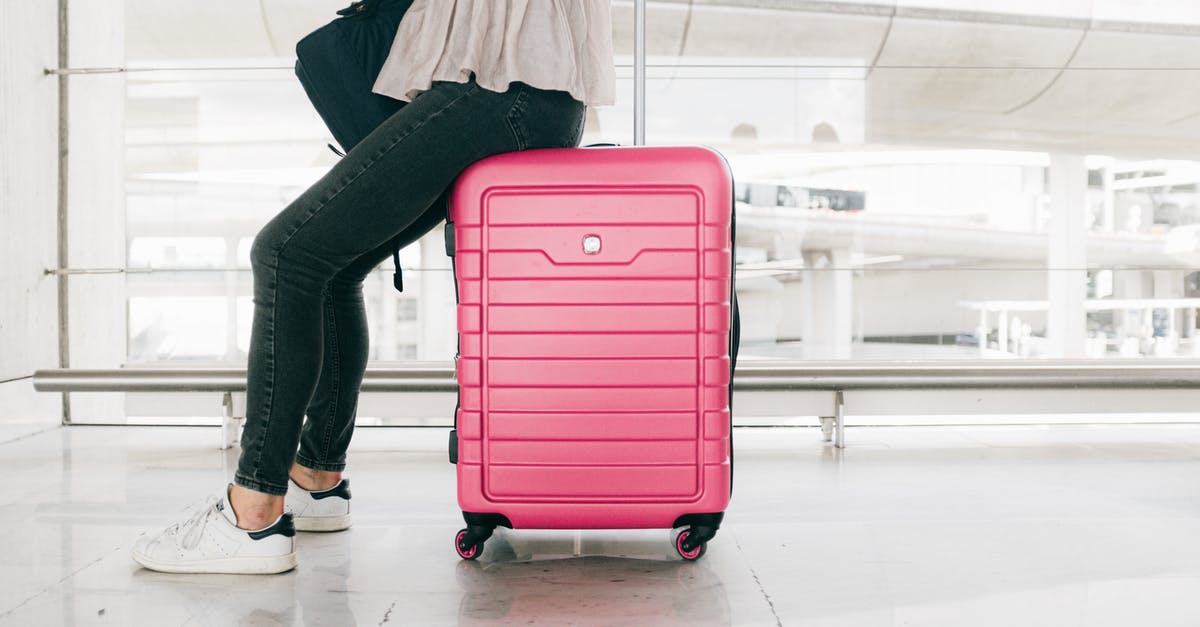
x=1110, y=211
x=96, y=200
x=829, y=297
x=1066, y=324
x=1002, y=331
x=28, y=206
x=1169, y=284
x=981, y=332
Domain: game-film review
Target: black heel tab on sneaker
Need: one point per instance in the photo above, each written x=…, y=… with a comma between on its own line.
x=284, y=527
x=342, y=489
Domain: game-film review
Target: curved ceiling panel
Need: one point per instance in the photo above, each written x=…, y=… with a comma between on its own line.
x=928, y=42
x=1110, y=48
x=896, y=94
x=758, y=33
x=1112, y=103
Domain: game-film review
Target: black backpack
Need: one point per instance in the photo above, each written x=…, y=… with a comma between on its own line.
x=338, y=63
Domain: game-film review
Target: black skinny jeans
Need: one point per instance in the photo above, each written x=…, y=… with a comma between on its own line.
x=308, y=343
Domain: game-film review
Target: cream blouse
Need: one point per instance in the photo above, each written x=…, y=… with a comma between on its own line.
x=550, y=44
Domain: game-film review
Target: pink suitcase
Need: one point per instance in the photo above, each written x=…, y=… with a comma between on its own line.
x=595, y=357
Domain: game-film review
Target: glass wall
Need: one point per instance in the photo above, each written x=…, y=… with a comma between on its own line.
x=929, y=179
x=918, y=179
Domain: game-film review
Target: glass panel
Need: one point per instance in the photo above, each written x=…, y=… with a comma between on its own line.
x=176, y=252
x=901, y=311
x=181, y=328
x=932, y=183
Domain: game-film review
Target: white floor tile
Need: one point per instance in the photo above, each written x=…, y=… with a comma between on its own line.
x=931, y=526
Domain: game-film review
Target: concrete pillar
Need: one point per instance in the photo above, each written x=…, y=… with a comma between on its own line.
x=28, y=206
x=1066, y=262
x=1109, y=217
x=95, y=237
x=1169, y=284
x=828, y=323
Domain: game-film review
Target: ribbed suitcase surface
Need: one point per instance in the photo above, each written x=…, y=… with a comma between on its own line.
x=594, y=319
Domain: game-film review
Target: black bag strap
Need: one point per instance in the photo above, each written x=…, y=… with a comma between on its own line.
x=398, y=277
x=364, y=7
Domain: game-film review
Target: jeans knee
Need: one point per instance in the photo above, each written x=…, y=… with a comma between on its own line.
x=263, y=251
x=347, y=283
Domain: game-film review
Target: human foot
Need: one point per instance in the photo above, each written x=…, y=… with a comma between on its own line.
x=320, y=510
x=314, y=480
x=211, y=542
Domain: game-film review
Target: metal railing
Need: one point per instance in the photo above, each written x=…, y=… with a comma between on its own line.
x=827, y=378
x=750, y=377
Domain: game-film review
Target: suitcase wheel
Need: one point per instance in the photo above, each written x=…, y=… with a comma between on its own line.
x=467, y=546
x=687, y=550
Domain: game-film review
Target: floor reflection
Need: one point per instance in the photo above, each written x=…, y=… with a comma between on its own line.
x=311, y=596
x=529, y=578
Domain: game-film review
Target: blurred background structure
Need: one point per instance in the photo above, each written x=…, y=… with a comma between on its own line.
x=917, y=179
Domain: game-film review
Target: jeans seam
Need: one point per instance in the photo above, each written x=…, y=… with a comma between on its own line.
x=335, y=383
x=518, y=109
x=268, y=402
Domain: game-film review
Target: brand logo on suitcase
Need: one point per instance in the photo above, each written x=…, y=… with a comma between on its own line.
x=591, y=244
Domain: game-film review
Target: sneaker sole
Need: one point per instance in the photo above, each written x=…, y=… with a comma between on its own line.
x=322, y=523
x=229, y=566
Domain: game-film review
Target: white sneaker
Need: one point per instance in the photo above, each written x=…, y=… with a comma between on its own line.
x=324, y=510
x=211, y=542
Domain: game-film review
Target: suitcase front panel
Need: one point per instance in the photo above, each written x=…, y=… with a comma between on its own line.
x=596, y=321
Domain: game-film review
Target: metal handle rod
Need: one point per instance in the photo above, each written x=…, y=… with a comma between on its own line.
x=639, y=72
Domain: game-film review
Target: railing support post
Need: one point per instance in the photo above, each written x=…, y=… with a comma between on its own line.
x=840, y=419
x=233, y=417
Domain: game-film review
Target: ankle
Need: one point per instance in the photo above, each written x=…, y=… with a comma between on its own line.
x=254, y=510
x=314, y=480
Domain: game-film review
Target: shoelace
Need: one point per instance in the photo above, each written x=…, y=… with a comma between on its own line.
x=193, y=527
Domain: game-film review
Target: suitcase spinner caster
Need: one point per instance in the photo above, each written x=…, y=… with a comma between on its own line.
x=691, y=543
x=469, y=542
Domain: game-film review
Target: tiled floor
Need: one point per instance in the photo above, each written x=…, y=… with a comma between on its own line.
x=978, y=526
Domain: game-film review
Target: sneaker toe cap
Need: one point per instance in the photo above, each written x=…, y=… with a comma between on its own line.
x=151, y=547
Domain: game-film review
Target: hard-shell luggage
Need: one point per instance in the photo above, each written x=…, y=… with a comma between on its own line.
x=595, y=292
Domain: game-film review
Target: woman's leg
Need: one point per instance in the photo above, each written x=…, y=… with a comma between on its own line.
x=376, y=192
x=330, y=417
